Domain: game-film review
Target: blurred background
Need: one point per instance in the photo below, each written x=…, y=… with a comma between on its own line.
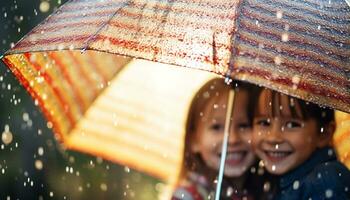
x=32, y=164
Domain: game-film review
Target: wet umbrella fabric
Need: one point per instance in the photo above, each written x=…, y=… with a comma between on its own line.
x=300, y=48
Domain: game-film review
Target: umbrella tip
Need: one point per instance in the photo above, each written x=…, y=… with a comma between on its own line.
x=83, y=50
x=228, y=80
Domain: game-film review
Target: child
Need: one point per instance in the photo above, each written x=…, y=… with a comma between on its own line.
x=203, y=143
x=292, y=137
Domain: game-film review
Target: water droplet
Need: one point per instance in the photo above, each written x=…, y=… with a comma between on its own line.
x=279, y=14
x=285, y=37
x=296, y=185
x=49, y=125
x=267, y=186
x=278, y=60
x=7, y=136
x=44, y=6
x=273, y=168
x=38, y=164
x=126, y=169
x=329, y=193
x=41, y=151
x=103, y=187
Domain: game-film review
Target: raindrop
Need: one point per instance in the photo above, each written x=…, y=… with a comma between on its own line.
x=329, y=193
x=49, y=125
x=330, y=152
x=41, y=151
x=276, y=146
x=273, y=167
x=285, y=37
x=25, y=116
x=322, y=130
x=319, y=27
x=279, y=14
x=5, y=14
x=278, y=60
x=127, y=169
x=44, y=6
x=7, y=136
x=103, y=187
x=229, y=191
x=267, y=186
x=38, y=164
x=51, y=194
x=261, y=163
x=296, y=185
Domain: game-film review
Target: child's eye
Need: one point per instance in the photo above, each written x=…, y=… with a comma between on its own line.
x=244, y=126
x=293, y=124
x=263, y=122
x=217, y=127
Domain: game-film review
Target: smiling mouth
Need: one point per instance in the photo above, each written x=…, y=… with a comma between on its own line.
x=234, y=158
x=276, y=156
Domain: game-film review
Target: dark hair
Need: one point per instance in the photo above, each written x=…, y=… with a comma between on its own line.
x=298, y=108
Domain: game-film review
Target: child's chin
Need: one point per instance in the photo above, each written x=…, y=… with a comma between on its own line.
x=276, y=169
x=234, y=171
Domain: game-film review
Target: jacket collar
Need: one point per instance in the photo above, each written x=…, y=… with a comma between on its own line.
x=319, y=156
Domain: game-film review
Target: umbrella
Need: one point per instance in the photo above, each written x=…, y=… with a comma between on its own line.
x=300, y=48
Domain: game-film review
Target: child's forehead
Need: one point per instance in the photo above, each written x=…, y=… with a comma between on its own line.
x=276, y=104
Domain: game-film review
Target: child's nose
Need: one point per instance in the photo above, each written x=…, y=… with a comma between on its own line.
x=234, y=138
x=274, y=135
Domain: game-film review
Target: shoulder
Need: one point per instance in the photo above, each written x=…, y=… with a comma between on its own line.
x=328, y=180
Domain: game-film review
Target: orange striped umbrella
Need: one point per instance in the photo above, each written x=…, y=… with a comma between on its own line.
x=299, y=47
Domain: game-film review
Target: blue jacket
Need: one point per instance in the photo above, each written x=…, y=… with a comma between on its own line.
x=320, y=177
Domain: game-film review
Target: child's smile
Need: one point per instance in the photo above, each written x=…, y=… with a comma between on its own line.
x=281, y=137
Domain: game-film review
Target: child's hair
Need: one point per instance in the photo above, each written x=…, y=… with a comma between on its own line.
x=298, y=108
x=192, y=162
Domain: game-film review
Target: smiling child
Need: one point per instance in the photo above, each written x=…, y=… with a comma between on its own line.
x=293, y=139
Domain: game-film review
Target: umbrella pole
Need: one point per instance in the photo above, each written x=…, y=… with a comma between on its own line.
x=224, y=143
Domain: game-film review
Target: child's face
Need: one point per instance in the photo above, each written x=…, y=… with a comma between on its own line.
x=210, y=132
x=283, y=142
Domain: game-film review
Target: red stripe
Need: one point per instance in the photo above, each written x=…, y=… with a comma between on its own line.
x=300, y=69
x=84, y=74
x=92, y=59
x=56, y=128
x=147, y=49
x=56, y=90
x=289, y=50
x=310, y=88
x=75, y=38
x=81, y=103
x=261, y=17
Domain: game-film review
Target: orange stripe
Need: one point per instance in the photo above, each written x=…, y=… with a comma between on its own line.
x=85, y=75
x=56, y=125
x=81, y=103
x=56, y=91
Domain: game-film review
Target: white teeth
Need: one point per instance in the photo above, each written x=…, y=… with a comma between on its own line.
x=277, y=154
x=235, y=156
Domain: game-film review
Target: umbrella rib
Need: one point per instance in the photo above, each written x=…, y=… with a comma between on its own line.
x=92, y=37
x=233, y=39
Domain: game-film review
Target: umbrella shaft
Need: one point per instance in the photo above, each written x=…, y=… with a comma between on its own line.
x=224, y=143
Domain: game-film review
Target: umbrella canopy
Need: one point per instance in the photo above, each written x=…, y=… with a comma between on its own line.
x=300, y=48
x=130, y=112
